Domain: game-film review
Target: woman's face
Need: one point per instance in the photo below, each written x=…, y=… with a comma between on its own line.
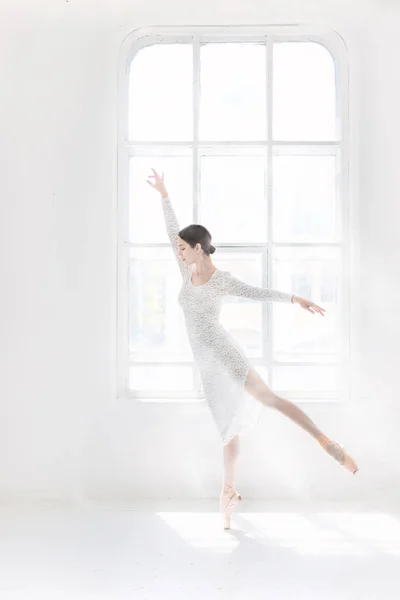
x=186, y=253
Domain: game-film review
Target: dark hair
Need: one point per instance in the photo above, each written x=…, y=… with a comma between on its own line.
x=197, y=234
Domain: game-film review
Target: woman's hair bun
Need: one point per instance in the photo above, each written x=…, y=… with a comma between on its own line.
x=212, y=249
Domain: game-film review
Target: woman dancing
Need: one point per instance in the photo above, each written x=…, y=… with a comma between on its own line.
x=233, y=389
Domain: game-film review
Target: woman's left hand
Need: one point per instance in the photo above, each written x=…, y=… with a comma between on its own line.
x=308, y=305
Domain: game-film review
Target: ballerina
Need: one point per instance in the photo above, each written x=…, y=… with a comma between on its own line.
x=233, y=389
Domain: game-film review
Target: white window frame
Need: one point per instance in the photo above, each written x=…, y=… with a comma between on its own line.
x=334, y=43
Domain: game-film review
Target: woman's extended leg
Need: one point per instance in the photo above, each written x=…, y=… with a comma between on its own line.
x=257, y=387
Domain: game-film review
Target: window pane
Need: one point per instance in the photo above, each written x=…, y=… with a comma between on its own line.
x=303, y=92
x=232, y=103
x=146, y=378
x=304, y=199
x=307, y=379
x=242, y=317
x=233, y=206
x=312, y=273
x=160, y=93
x=146, y=215
x=156, y=324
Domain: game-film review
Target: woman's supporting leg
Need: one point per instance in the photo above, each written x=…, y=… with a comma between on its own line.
x=231, y=455
x=257, y=387
x=229, y=496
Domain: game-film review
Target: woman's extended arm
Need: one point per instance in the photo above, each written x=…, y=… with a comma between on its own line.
x=171, y=221
x=173, y=228
x=233, y=286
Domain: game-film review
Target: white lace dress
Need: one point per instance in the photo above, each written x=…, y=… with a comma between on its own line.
x=222, y=364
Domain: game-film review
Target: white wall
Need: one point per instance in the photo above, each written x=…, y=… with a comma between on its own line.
x=62, y=431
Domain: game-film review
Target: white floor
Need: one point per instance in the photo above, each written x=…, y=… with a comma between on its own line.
x=165, y=550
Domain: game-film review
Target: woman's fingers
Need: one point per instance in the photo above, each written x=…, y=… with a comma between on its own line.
x=313, y=308
x=157, y=177
x=158, y=183
x=318, y=309
x=155, y=174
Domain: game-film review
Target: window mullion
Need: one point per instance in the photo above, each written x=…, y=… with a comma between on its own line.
x=269, y=199
x=196, y=115
x=196, y=158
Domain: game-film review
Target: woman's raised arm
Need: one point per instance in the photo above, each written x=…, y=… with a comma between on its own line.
x=171, y=221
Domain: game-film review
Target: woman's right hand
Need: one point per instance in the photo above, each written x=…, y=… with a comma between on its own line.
x=158, y=183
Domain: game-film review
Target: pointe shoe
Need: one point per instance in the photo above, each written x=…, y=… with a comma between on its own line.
x=228, y=500
x=339, y=454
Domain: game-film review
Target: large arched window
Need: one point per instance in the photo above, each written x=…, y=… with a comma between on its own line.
x=250, y=129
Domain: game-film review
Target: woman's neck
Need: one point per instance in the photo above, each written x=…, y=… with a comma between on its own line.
x=204, y=268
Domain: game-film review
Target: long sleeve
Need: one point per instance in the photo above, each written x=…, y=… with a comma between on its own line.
x=172, y=225
x=233, y=286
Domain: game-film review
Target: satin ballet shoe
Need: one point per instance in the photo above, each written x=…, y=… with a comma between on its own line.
x=228, y=500
x=339, y=454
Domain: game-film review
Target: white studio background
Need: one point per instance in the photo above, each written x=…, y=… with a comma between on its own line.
x=63, y=433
